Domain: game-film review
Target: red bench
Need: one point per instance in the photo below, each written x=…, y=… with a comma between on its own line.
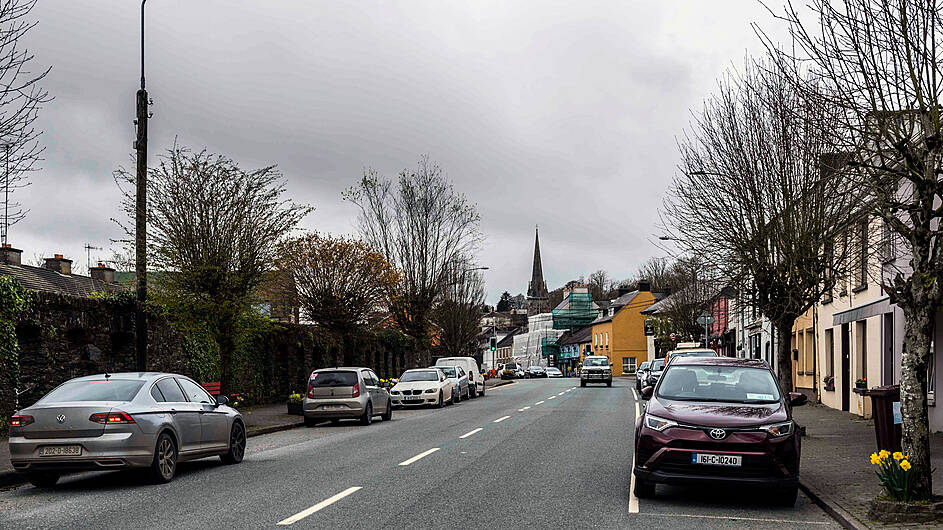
x=212, y=388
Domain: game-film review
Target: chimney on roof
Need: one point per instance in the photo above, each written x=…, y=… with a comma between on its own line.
x=623, y=290
x=102, y=273
x=58, y=263
x=10, y=255
x=644, y=285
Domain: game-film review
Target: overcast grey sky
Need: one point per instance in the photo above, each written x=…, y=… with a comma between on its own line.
x=562, y=114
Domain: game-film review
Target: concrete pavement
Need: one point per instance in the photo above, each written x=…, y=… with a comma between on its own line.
x=536, y=453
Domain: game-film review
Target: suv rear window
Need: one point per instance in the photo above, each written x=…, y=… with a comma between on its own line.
x=104, y=390
x=333, y=379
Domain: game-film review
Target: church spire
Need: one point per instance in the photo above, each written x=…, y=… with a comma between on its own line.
x=537, y=295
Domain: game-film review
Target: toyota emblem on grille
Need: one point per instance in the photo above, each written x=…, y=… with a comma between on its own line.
x=60, y=418
x=717, y=434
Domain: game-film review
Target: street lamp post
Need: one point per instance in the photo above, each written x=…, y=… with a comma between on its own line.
x=6, y=195
x=140, y=216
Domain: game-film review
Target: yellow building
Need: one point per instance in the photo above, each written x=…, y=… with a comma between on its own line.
x=619, y=332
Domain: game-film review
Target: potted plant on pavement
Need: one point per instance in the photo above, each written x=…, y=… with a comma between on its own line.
x=897, y=506
x=295, y=401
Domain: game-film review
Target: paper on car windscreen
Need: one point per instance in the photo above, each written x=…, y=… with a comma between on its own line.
x=762, y=397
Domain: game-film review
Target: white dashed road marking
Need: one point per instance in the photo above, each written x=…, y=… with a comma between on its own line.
x=539, y=402
x=499, y=420
x=318, y=507
x=417, y=457
x=467, y=434
x=552, y=397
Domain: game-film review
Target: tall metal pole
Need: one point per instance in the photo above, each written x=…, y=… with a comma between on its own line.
x=140, y=217
x=6, y=196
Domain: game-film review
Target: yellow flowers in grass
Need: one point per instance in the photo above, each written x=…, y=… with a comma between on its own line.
x=893, y=473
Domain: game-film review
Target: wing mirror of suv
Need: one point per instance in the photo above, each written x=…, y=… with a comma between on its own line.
x=647, y=392
x=797, y=399
x=222, y=400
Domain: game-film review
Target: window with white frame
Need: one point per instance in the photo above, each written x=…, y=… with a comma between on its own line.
x=607, y=339
x=628, y=365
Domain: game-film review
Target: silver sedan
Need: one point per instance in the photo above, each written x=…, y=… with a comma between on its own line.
x=126, y=420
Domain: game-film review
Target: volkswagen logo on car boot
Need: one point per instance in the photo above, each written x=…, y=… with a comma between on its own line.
x=60, y=418
x=717, y=434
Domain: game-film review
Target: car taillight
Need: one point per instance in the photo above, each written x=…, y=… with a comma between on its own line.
x=356, y=390
x=310, y=389
x=111, y=418
x=21, y=421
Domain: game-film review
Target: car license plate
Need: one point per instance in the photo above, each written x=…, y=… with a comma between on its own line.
x=414, y=399
x=331, y=407
x=60, y=450
x=717, y=460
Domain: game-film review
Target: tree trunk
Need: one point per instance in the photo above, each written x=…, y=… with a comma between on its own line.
x=918, y=332
x=783, y=328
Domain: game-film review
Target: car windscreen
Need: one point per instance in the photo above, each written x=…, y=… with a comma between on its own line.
x=510, y=366
x=727, y=384
x=103, y=390
x=658, y=365
x=695, y=354
x=419, y=375
x=599, y=361
x=449, y=371
x=322, y=379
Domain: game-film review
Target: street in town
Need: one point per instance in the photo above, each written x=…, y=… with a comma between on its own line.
x=534, y=453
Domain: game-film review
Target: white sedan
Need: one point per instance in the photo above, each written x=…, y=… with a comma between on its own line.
x=422, y=386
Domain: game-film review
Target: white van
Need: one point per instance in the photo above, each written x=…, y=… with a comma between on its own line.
x=476, y=381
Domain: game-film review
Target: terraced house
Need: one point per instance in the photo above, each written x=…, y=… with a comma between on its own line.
x=619, y=331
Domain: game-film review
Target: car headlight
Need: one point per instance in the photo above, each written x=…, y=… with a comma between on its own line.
x=658, y=424
x=394, y=392
x=430, y=391
x=779, y=429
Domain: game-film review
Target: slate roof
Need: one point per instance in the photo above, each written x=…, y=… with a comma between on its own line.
x=577, y=336
x=40, y=279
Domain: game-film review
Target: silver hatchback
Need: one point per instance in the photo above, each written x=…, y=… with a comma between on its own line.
x=126, y=420
x=344, y=392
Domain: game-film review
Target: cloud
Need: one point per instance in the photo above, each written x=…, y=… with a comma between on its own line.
x=562, y=114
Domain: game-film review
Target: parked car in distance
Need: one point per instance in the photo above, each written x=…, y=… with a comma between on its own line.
x=535, y=371
x=692, y=352
x=553, y=371
x=641, y=375
x=346, y=392
x=125, y=420
x=509, y=371
x=476, y=381
x=718, y=420
x=655, y=370
x=422, y=386
x=459, y=379
x=596, y=369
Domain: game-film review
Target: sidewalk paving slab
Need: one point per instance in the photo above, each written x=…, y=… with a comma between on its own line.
x=836, y=469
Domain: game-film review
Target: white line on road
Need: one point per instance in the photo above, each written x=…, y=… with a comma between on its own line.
x=633, y=500
x=467, y=434
x=561, y=393
x=525, y=408
x=552, y=397
x=499, y=420
x=317, y=507
x=417, y=457
x=539, y=402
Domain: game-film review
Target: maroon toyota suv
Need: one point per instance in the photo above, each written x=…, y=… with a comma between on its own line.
x=718, y=420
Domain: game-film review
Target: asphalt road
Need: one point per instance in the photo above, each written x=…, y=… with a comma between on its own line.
x=542, y=453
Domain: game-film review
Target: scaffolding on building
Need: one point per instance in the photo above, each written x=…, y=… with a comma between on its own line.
x=578, y=311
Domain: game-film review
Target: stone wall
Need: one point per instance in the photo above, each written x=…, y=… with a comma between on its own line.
x=64, y=337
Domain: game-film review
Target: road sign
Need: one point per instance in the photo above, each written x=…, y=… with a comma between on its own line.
x=705, y=320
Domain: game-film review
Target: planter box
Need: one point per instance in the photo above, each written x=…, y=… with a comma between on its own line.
x=887, y=511
x=295, y=408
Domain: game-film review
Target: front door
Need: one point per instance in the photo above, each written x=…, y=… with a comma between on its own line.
x=887, y=375
x=845, y=367
x=214, y=424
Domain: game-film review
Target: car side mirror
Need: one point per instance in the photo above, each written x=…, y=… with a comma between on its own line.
x=222, y=400
x=610, y=365
x=797, y=399
x=384, y=384
x=647, y=392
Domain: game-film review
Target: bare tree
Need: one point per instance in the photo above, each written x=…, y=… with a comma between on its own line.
x=423, y=227
x=754, y=198
x=340, y=283
x=691, y=288
x=214, y=232
x=882, y=65
x=21, y=99
x=599, y=284
x=457, y=315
